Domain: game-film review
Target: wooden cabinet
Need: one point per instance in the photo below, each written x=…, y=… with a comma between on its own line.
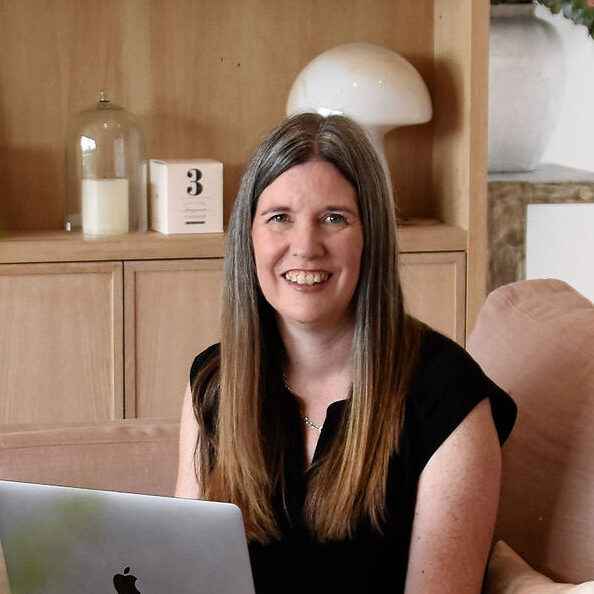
x=98, y=339
x=60, y=354
x=434, y=286
x=171, y=313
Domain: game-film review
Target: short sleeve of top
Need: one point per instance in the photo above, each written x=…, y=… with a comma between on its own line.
x=447, y=385
x=201, y=359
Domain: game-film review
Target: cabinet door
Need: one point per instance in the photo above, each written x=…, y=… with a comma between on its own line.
x=171, y=312
x=61, y=354
x=434, y=286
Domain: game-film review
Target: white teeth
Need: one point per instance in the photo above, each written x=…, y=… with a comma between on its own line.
x=306, y=278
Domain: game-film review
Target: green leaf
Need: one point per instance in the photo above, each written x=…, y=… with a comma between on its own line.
x=580, y=12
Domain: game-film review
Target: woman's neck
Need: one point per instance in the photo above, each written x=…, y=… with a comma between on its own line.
x=319, y=367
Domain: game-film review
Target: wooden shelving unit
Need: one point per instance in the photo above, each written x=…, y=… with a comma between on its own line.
x=209, y=79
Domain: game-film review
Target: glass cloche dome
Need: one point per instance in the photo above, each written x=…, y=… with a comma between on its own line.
x=104, y=182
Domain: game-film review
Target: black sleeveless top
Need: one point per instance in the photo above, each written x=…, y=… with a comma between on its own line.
x=445, y=387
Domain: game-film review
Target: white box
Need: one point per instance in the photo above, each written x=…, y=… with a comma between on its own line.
x=186, y=195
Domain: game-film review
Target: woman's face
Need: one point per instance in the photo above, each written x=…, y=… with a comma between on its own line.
x=307, y=239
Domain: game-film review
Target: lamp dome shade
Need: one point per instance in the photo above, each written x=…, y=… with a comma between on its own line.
x=372, y=84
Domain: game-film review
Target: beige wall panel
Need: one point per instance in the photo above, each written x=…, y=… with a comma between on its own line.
x=61, y=353
x=171, y=313
x=206, y=78
x=434, y=288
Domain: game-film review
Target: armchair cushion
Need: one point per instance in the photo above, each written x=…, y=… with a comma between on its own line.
x=535, y=338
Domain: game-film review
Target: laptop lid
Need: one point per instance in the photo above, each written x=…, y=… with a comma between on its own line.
x=68, y=540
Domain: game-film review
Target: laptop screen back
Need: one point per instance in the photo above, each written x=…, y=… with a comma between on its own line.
x=68, y=540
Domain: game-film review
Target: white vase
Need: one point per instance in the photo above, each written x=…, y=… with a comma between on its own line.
x=526, y=80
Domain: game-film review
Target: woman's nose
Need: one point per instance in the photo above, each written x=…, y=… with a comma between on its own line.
x=306, y=240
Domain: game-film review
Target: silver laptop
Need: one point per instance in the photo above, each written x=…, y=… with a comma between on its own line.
x=67, y=540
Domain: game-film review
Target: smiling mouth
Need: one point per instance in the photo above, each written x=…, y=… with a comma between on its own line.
x=306, y=278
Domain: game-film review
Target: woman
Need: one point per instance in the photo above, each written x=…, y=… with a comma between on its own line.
x=362, y=447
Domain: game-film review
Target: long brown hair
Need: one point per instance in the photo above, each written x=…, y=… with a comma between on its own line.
x=241, y=440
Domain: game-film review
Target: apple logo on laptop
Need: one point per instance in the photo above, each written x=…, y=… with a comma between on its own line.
x=124, y=582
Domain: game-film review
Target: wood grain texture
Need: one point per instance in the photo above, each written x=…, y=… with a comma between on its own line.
x=434, y=287
x=460, y=144
x=172, y=312
x=62, y=350
x=205, y=79
x=477, y=164
x=61, y=246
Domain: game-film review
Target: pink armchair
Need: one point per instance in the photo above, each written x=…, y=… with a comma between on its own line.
x=535, y=338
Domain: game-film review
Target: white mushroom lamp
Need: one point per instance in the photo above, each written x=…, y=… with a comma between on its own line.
x=375, y=86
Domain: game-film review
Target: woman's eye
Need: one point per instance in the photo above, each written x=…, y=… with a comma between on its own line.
x=334, y=218
x=278, y=218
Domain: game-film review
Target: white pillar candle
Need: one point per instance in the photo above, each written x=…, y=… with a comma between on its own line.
x=104, y=206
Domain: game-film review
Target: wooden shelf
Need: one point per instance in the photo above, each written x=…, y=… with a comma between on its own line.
x=431, y=236
x=61, y=246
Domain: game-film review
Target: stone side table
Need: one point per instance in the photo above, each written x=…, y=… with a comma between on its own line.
x=508, y=197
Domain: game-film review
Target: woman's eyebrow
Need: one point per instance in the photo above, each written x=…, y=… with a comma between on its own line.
x=338, y=207
x=279, y=208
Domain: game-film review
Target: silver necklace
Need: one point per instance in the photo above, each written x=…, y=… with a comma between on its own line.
x=306, y=419
x=311, y=424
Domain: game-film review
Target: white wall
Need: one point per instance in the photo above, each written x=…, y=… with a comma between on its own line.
x=560, y=244
x=572, y=143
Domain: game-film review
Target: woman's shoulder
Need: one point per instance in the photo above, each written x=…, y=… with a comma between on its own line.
x=440, y=358
x=436, y=344
x=448, y=383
